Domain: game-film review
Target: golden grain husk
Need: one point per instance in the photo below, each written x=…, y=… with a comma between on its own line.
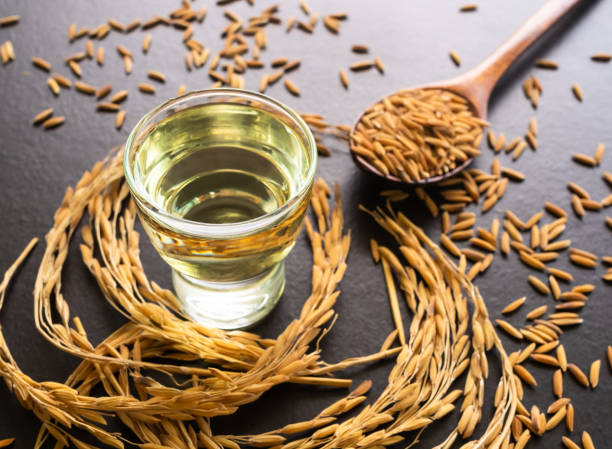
x=6, y=442
x=580, y=377
x=584, y=159
x=331, y=24
x=41, y=64
x=537, y=312
x=594, y=373
x=107, y=107
x=42, y=116
x=100, y=56
x=146, y=88
x=546, y=64
x=379, y=64
x=344, y=79
x=119, y=119
x=103, y=91
x=9, y=20
x=359, y=48
x=601, y=57
x=583, y=261
x=568, y=443
x=577, y=90
x=84, y=88
x=538, y=285
x=455, y=58
x=119, y=96
x=53, y=122
x=361, y=65
x=157, y=76
x=76, y=69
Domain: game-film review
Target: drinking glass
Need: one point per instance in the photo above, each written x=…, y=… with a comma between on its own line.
x=222, y=180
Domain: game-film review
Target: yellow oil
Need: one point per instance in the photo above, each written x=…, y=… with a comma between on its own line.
x=222, y=164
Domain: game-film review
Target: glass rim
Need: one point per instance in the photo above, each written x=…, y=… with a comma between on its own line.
x=220, y=230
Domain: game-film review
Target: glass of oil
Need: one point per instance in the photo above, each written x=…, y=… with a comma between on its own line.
x=222, y=180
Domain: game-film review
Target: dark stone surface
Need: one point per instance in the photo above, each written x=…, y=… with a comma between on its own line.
x=413, y=39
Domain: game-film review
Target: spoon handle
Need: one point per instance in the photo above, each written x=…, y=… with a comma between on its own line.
x=485, y=75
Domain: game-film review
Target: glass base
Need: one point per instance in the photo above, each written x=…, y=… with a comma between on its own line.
x=230, y=305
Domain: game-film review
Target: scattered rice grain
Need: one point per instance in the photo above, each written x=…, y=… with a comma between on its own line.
x=41, y=64
x=42, y=116
x=146, y=43
x=455, y=58
x=379, y=65
x=107, y=107
x=53, y=86
x=84, y=88
x=546, y=64
x=580, y=377
x=146, y=88
x=292, y=88
x=583, y=261
x=577, y=92
x=601, y=57
x=54, y=122
x=361, y=65
x=538, y=285
x=76, y=69
x=9, y=20
x=119, y=119
x=344, y=79
x=594, y=373
x=103, y=91
x=157, y=76
x=119, y=96
x=100, y=56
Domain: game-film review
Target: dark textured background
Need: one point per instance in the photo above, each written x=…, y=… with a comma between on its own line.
x=413, y=39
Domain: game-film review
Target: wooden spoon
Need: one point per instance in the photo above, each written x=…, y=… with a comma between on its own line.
x=477, y=84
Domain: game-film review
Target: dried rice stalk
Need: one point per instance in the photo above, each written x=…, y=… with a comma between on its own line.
x=127, y=349
x=68, y=217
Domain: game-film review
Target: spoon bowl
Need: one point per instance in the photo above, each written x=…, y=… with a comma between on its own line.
x=368, y=167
